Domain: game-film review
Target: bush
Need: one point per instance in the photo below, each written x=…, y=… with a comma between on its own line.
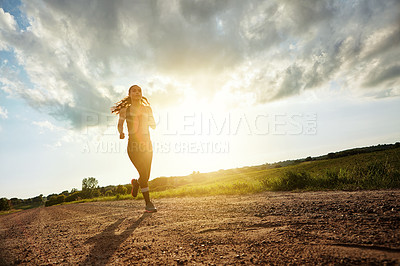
x=60, y=198
x=128, y=188
x=55, y=200
x=377, y=175
x=96, y=193
x=73, y=197
x=121, y=190
x=52, y=201
x=4, y=204
x=290, y=181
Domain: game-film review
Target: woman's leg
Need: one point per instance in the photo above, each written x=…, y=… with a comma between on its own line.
x=142, y=160
x=144, y=179
x=145, y=167
x=138, y=161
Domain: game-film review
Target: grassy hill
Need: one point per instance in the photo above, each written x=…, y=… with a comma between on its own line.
x=364, y=168
x=375, y=167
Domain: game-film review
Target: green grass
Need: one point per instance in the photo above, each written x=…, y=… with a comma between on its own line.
x=104, y=198
x=216, y=188
x=375, y=170
x=10, y=211
x=375, y=175
x=28, y=206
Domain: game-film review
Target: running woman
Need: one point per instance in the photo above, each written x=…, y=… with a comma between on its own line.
x=136, y=110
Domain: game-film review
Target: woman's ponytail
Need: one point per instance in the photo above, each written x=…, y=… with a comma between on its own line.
x=125, y=102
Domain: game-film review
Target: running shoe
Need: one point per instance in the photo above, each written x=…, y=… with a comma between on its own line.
x=135, y=187
x=150, y=207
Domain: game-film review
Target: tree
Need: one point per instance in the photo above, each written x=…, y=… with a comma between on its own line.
x=96, y=193
x=56, y=199
x=128, y=188
x=88, y=186
x=51, y=195
x=331, y=155
x=89, y=183
x=60, y=198
x=4, y=204
x=15, y=201
x=73, y=196
x=38, y=199
x=121, y=190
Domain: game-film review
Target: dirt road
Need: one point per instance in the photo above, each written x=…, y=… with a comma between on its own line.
x=280, y=228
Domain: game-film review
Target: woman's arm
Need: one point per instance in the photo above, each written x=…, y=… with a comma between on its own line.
x=151, y=121
x=122, y=117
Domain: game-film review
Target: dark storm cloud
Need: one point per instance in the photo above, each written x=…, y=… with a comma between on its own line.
x=337, y=38
x=292, y=82
x=384, y=75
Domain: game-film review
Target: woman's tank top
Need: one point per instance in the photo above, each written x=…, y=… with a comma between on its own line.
x=138, y=125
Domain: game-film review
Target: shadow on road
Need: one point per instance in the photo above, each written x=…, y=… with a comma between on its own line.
x=107, y=242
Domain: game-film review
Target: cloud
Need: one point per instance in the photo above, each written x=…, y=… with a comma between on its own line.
x=322, y=41
x=81, y=57
x=46, y=125
x=3, y=113
x=388, y=74
x=7, y=21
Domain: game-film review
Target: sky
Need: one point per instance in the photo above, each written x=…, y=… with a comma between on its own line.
x=231, y=84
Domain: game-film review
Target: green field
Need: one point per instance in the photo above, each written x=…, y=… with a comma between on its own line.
x=376, y=167
x=374, y=170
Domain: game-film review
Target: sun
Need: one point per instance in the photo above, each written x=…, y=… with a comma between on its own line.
x=196, y=132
